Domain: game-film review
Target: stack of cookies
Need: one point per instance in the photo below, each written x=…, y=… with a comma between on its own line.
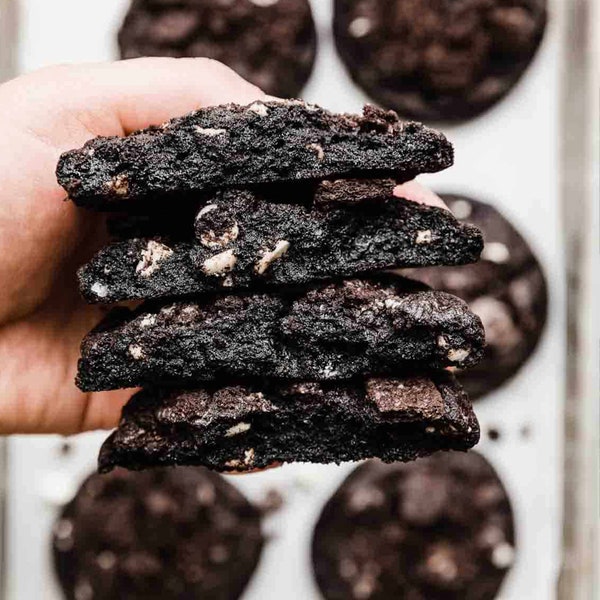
x=257, y=237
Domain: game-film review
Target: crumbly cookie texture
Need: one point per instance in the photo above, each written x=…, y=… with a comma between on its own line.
x=243, y=240
x=165, y=533
x=235, y=146
x=441, y=527
x=244, y=427
x=336, y=331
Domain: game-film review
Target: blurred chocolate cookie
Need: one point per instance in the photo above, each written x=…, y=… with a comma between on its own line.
x=438, y=59
x=506, y=289
x=162, y=534
x=271, y=43
x=440, y=527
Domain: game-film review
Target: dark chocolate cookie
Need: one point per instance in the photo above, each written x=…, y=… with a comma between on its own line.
x=166, y=534
x=271, y=43
x=438, y=59
x=330, y=332
x=506, y=288
x=244, y=427
x=237, y=146
x=243, y=241
x=439, y=528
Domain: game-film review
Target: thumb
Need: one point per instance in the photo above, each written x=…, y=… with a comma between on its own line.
x=66, y=105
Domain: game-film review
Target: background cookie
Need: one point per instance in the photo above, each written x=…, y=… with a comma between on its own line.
x=271, y=43
x=438, y=59
x=506, y=289
x=440, y=527
x=165, y=533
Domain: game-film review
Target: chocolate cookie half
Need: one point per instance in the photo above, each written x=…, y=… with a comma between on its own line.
x=332, y=332
x=506, y=288
x=438, y=59
x=441, y=527
x=271, y=43
x=237, y=146
x=244, y=427
x=242, y=240
x=165, y=534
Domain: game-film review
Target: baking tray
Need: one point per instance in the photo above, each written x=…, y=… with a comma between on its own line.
x=510, y=157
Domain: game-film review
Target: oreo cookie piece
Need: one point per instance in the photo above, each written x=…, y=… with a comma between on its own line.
x=506, y=288
x=244, y=427
x=271, y=43
x=243, y=241
x=238, y=146
x=438, y=59
x=441, y=527
x=166, y=533
x=333, y=332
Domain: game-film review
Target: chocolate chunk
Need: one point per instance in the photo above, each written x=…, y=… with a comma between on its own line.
x=244, y=427
x=332, y=332
x=441, y=527
x=167, y=534
x=243, y=241
x=236, y=146
x=438, y=59
x=506, y=288
x=271, y=43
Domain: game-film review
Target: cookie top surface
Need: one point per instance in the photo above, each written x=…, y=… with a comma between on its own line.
x=271, y=43
x=165, y=533
x=438, y=59
x=440, y=527
x=506, y=288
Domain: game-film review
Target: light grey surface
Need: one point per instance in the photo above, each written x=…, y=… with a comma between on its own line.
x=580, y=577
x=510, y=157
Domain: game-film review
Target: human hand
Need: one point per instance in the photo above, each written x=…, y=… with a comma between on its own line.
x=44, y=239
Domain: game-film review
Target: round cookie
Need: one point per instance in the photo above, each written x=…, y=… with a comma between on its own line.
x=440, y=527
x=506, y=289
x=160, y=534
x=271, y=43
x=438, y=60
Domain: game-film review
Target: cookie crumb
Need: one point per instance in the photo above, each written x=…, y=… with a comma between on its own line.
x=318, y=150
x=503, y=556
x=106, y=560
x=153, y=254
x=237, y=429
x=119, y=185
x=458, y=354
x=360, y=27
x=259, y=108
x=220, y=263
x=270, y=256
x=461, y=209
x=136, y=351
x=495, y=252
x=424, y=237
x=147, y=321
x=249, y=456
x=208, y=208
x=210, y=132
x=99, y=290
x=211, y=239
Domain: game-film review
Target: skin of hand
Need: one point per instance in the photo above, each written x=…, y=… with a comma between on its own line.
x=44, y=239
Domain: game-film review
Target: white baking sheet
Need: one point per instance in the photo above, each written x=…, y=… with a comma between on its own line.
x=510, y=157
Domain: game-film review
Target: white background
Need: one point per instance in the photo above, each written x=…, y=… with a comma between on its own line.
x=509, y=157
